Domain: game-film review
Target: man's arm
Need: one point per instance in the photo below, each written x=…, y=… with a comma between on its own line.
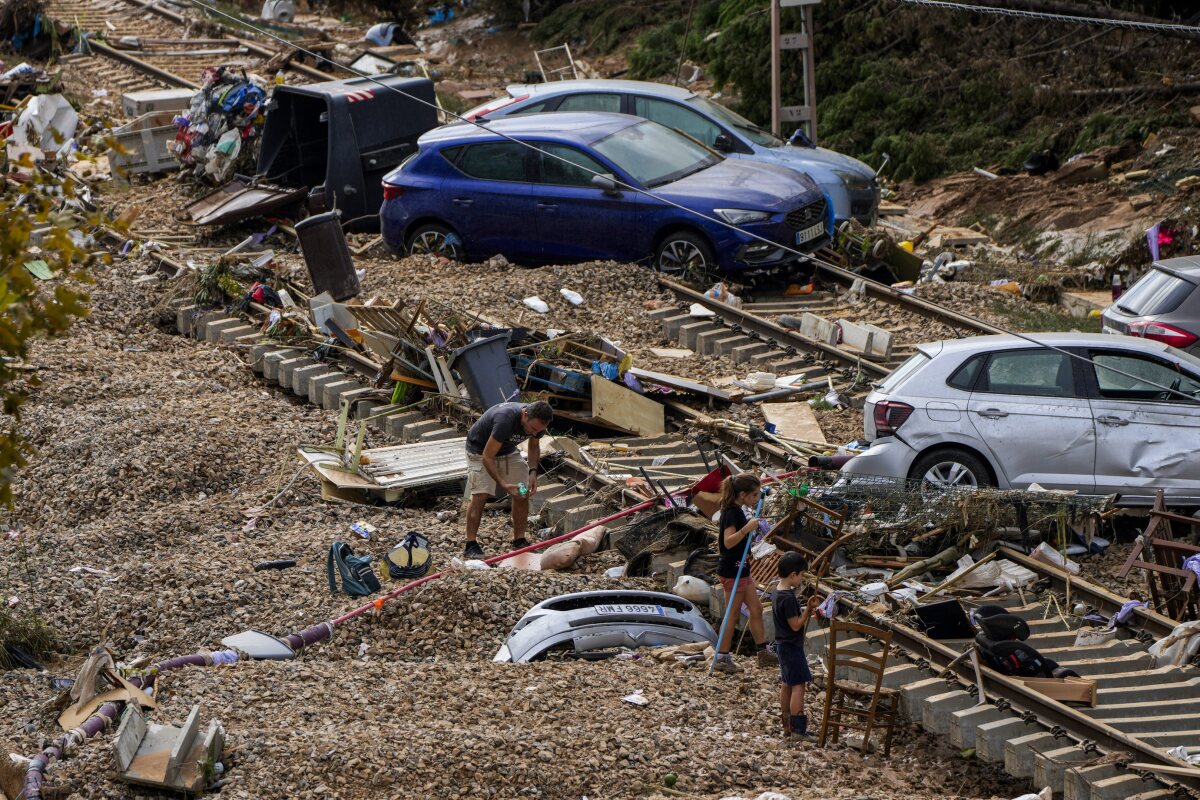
x=489, y=464
x=535, y=455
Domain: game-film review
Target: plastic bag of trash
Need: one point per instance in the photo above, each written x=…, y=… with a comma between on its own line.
x=46, y=122
x=692, y=588
x=472, y=564
x=721, y=292
x=537, y=304
x=1177, y=647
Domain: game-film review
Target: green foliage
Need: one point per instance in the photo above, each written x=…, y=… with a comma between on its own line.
x=27, y=632
x=604, y=24
x=30, y=308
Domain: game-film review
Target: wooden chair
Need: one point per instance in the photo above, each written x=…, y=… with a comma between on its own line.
x=868, y=705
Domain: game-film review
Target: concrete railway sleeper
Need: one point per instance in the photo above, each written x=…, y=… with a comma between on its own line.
x=1141, y=711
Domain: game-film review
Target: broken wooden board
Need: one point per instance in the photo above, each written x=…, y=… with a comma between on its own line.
x=794, y=420
x=887, y=209
x=671, y=352
x=945, y=236
x=616, y=405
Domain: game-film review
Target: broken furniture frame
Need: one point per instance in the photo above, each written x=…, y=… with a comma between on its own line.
x=1173, y=590
x=558, y=73
x=882, y=704
x=809, y=510
x=166, y=756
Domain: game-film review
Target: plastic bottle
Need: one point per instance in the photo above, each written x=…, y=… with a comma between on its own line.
x=522, y=490
x=1117, y=288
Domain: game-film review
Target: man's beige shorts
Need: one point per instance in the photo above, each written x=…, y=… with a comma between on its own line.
x=511, y=467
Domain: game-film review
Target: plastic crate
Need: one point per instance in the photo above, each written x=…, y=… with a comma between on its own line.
x=145, y=142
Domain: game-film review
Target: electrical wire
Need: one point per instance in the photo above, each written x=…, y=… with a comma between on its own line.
x=805, y=257
x=1157, y=27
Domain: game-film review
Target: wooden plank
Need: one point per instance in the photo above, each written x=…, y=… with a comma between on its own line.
x=794, y=420
x=1067, y=690
x=887, y=209
x=129, y=736
x=626, y=409
x=1167, y=769
x=946, y=236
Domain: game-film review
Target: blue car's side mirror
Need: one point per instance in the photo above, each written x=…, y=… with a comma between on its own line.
x=606, y=183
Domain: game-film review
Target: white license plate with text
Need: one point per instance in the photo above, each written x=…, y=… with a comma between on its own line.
x=808, y=234
x=631, y=609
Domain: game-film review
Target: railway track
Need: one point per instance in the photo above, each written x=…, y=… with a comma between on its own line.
x=1141, y=711
x=154, y=43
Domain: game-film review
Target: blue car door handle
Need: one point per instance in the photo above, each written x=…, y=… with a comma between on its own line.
x=547, y=206
x=992, y=413
x=462, y=201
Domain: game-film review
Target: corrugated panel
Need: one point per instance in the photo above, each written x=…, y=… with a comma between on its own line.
x=418, y=464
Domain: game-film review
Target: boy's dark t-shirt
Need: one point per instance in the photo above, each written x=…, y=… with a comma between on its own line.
x=502, y=421
x=727, y=567
x=784, y=606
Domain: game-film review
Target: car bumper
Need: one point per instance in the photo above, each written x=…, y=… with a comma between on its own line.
x=393, y=222
x=864, y=205
x=885, y=458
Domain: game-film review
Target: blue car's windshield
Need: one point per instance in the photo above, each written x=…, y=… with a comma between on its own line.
x=654, y=154
x=745, y=127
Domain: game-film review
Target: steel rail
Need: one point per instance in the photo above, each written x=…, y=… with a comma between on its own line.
x=139, y=64
x=1102, y=599
x=769, y=332
x=910, y=302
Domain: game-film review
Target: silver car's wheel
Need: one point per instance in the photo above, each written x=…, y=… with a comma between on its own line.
x=950, y=475
x=685, y=256
x=435, y=240
x=950, y=469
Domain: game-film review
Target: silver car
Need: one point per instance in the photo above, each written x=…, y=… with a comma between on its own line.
x=851, y=185
x=1163, y=305
x=588, y=622
x=1122, y=417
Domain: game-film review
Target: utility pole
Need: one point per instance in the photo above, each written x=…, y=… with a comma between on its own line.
x=805, y=114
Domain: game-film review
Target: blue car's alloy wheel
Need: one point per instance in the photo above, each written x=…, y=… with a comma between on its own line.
x=437, y=241
x=686, y=256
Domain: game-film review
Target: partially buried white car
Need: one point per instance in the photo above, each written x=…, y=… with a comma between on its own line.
x=1086, y=412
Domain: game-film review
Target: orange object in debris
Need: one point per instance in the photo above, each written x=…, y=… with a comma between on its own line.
x=796, y=289
x=1012, y=287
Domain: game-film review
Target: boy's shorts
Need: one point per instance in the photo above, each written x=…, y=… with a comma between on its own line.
x=793, y=664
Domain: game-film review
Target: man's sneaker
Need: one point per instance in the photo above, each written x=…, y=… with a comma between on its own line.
x=517, y=544
x=473, y=550
x=725, y=664
x=766, y=658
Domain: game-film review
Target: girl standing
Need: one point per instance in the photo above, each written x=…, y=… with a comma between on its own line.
x=733, y=528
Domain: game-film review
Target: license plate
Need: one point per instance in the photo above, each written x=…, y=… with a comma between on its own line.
x=808, y=234
x=631, y=609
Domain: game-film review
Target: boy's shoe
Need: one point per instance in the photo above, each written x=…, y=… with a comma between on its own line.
x=517, y=544
x=766, y=658
x=473, y=550
x=798, y=725
x=725, y=664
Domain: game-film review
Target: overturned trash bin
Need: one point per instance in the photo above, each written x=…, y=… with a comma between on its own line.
x=485, y=369
x=327, y=256
x=340, y=138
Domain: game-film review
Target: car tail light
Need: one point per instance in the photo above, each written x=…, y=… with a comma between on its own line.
x=495, y=105
x=391, y=191
x=1160, y=332
x=890, y=415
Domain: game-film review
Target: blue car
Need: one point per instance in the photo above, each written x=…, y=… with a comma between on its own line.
x=470, y=194
x=850, y=184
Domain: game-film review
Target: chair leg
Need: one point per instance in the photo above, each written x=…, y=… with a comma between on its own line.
x=891, y=727
x=829, y=696
x=873, y=711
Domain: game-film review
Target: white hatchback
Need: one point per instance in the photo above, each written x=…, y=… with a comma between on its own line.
x=1086, y=412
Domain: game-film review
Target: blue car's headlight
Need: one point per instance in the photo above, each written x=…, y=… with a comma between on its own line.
x=740, y=216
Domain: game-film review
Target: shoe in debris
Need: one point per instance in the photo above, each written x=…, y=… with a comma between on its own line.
x=725, y=664
x=473, y=550
x=517, y=544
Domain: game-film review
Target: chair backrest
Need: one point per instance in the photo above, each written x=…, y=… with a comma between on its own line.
x=840, y=655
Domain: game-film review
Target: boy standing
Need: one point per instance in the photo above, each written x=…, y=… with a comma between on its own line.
x=790, y=623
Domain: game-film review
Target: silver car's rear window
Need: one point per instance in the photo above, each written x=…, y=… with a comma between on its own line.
x=1157, y=292
x=903, y=372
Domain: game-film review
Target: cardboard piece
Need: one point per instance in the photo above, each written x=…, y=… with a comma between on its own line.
x=1065, y=690
x=75, y=715
x=612, y=403
x=794, y=421
x=671, y=352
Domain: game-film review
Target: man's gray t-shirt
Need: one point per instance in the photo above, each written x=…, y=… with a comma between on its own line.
x=502, y=421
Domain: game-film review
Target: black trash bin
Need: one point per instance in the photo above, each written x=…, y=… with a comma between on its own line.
x=326, y=255
x=341, y=137
x=485, y=368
